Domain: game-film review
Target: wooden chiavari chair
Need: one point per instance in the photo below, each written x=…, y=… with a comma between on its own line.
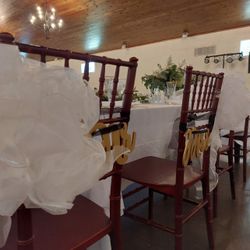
x=172, y=178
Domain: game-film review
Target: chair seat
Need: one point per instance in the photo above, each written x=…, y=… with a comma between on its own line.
x=86, y=221
x=156, y=171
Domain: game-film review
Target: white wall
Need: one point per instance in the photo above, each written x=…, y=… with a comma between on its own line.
x=183, y=49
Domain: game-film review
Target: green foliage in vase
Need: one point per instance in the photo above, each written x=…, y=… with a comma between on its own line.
x=169, y=73
x=105, y=98
x=140, y=97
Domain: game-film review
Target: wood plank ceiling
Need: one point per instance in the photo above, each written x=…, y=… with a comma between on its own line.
x=101, y=25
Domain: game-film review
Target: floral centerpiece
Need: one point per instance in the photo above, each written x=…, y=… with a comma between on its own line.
x=142, y=98
x=170, y=73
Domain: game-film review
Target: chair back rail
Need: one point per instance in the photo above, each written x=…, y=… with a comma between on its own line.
x=114, y=115
x=202, y=97
x=246, y=124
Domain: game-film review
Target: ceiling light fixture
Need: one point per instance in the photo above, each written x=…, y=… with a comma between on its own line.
x=46, y=19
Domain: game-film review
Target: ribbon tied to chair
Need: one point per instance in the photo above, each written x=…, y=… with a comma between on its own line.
x=115, y=135
x=196, y=142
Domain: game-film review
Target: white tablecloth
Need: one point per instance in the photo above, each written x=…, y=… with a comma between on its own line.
x=153, y=124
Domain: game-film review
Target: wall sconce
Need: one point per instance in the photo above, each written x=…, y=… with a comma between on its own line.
x=229, y=58
x=206, y=60
x=216, y=60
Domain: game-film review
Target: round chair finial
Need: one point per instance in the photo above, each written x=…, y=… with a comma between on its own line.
x=6, y=37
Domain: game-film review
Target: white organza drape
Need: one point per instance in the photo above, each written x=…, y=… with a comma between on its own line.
x=45, y=157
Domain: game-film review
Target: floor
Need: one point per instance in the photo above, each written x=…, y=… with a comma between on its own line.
x=231, y=227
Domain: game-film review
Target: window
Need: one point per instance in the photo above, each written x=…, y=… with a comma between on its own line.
x=245, y=47
x=91, y=67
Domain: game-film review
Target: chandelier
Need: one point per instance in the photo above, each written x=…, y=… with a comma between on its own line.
x=46, y=19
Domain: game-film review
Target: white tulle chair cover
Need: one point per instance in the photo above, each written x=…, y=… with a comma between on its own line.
x=46, y=158
x=233, y=108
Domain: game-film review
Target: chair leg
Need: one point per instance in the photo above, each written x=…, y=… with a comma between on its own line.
x=150, y=204
x=115, y=212
x=215, y=201
x=244, y=165
x=236, y=152
x=178, y=223
x=232, y=185
x=231, y=173
x=209, y=214
x=24, y=229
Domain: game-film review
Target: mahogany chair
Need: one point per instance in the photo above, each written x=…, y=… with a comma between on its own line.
x=173, y=178
x=86, y=222
x=222, y=169
x=243, y=137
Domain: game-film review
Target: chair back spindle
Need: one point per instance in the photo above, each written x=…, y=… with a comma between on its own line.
x=209, y=91
x=195, y=80
x=128, y=91
x=246, y=125
x=101, y=83
x=200, y=91
x=204, y=99
x=86, y=71
x=114, y=91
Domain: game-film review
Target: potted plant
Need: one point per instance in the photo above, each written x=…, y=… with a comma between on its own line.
x=170, y=73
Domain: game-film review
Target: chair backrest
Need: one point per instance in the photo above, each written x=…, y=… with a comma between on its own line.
x=111, y=112
x=246, y=128
x=200, y=99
